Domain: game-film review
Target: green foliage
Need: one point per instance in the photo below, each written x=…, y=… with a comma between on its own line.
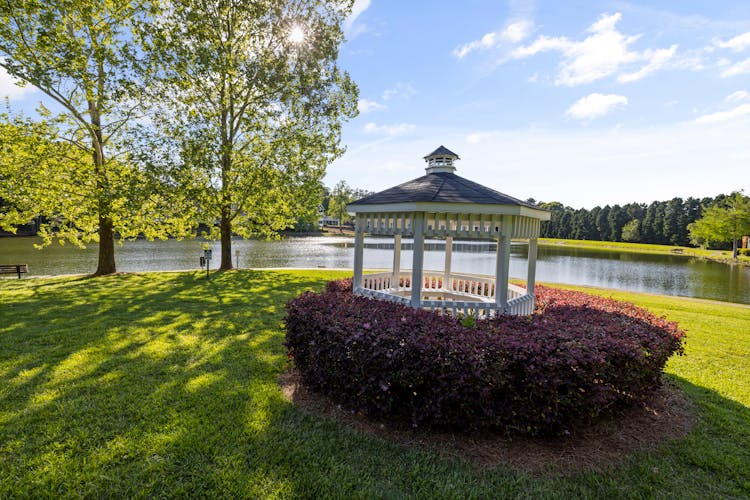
x=41, y=174
x=468, y=321
x=75, y=169
x=254, y=116
x=173, y=392
x=724, y=223
x=632, y=231
x=341, y=196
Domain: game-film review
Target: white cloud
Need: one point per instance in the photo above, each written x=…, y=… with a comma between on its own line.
x=737, y=44
x=401, y=90
x=740, y=95
x=10, y=89
x=603, y=53
x=735, y=69
x=553, y=164
x=513, y=33
x=389, y=130
x=488, y=41
x=657, y=59
x=595, y=105
x=518, y=31
x=368, y=105
x=357, y=9
x=724, y=116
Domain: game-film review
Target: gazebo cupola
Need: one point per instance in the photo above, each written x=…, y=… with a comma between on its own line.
x=441, y=160
x=445, y=206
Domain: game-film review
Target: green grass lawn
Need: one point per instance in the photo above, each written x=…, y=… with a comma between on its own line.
x=166, y=385
x=621, y=246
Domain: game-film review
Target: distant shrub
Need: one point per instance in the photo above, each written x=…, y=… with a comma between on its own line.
x=576, y=357
x=744, y=251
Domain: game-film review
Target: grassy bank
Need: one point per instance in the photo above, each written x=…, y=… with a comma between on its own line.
x=717, y=255
x=166, y=385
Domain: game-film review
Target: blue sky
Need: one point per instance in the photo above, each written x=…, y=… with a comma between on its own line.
x=583, y=102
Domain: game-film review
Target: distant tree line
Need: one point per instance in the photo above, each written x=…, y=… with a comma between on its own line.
x=660, y=222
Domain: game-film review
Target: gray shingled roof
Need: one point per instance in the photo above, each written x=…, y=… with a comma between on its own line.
x=441, y=187
x=442, y=150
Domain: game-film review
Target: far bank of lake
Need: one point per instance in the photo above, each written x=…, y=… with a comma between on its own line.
x=723, y=256
x=677, y=275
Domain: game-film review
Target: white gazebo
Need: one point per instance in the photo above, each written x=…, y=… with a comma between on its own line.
x=443, y=205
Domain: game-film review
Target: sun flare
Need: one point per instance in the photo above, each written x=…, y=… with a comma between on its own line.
x=296, y=34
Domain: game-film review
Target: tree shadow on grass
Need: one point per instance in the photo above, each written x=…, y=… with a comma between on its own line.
x=712, y=460
x=150, y=377
x=166, y=385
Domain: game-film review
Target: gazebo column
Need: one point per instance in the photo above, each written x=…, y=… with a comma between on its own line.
x=396, y=262
x=359, y=250
x=502, y=264
x=531, y=271
x=448, y=259
x=417, y=222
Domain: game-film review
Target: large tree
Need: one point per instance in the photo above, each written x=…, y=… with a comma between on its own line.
x=341, y=196
x=84, y=56
x=254, y=99
x=44, y=176
x=724, y=222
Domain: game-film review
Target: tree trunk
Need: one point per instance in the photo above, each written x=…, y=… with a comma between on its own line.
x=106, y=247
x=225, y=222
x=225, y=226
x=734, y=248
x=106, y=233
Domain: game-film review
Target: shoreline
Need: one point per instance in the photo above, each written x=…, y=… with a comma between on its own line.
x=721, y=256
x=343, y=269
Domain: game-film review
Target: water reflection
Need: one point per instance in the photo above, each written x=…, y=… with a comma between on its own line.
x=660, y=274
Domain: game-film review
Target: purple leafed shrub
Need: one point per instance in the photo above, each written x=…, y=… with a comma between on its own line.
x=578, y=356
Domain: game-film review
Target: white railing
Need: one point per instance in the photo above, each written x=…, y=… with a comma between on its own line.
x=375, y=294
x=521, y=306
x=480, y=288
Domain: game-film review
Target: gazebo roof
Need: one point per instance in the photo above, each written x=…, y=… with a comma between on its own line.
x=441, y=187
x=442, y=151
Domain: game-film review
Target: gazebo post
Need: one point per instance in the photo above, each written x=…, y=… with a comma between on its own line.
x=359, y=249
x=417, y=222
x=502, y=264
x=531, y=271
x=396, y=261
x=448, y=259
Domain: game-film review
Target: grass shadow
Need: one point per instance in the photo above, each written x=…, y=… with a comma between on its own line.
x=165, y=384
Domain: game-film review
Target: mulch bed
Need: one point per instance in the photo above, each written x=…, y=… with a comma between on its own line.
x=667, y=415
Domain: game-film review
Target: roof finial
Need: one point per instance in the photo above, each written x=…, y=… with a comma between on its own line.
x=441, y=160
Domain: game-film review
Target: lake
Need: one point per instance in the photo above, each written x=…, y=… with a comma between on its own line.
x=659, y=274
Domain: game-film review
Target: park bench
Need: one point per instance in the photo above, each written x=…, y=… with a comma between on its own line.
x=14, y=269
